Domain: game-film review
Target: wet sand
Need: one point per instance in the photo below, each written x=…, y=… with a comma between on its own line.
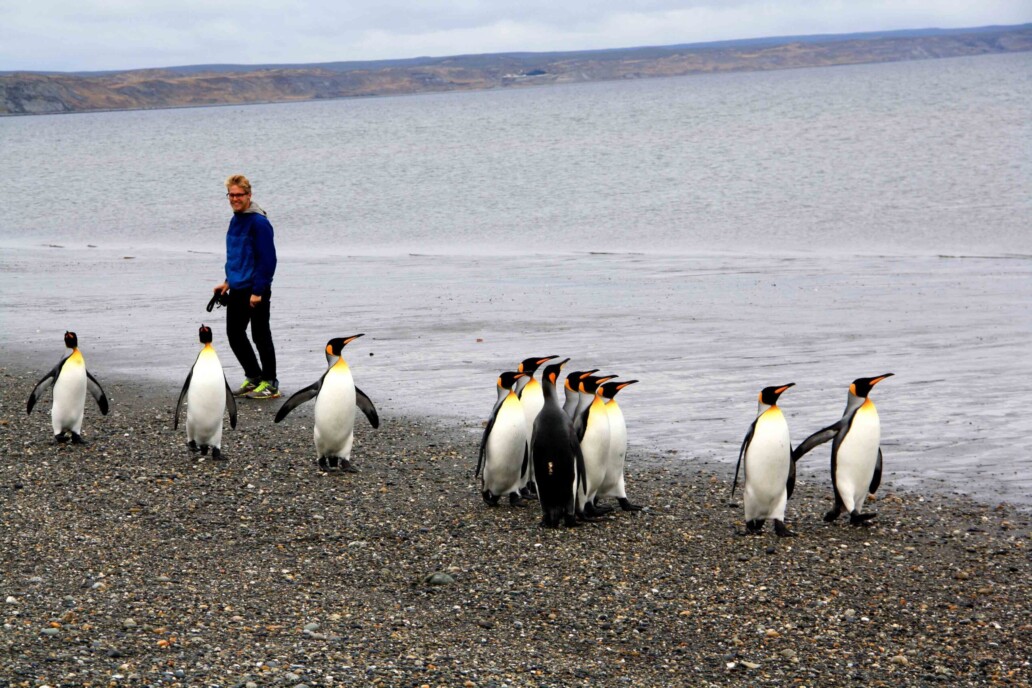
x=131, y=562
x=703, y=334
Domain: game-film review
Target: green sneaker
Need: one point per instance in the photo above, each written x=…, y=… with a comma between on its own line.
x=246, y=388
x=265, y=390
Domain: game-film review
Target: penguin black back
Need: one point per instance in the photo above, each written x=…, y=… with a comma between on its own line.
x=558, y=463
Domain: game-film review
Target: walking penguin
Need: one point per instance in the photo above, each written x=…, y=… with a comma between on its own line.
x=70, y=381
x=207, y=396
x=769, y=469
x=856, y=455
x=335, y=397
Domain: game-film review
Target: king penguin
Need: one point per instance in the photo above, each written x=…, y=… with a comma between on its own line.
x=572, y=389
x=592, y=428
x=613, y=483
x=207, y=396
x=505, y=448
x=556, y=454
x=335, y=400
x=769, y=469
x=70, y=381
x=856, y=455
x=531, y=398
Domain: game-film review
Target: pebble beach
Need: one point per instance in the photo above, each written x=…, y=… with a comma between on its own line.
x=130, y=561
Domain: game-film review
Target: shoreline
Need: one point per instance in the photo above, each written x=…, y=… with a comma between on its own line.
x=128, y=560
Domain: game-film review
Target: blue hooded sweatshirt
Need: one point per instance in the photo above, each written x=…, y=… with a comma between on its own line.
x=250, y=252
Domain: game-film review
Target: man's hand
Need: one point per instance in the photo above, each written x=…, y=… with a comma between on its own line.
x=221, y=288
x=255, y=300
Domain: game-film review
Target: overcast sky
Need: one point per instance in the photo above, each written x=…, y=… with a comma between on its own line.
x=80, y=35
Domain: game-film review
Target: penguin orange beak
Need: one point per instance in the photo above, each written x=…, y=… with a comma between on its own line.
x=625, y=384
x=880, y=378
x=779, y=390
x=348, y=340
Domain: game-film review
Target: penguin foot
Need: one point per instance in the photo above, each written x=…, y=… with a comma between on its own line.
x=831, y=515
x=528, y=493
x=858, y=519
x=192, y=446
x=516, y=500
x=600, y=508
x=60, y=438
x=570, y=521
x=545, y=523
x=216, y=454
x=323, y=465
x=204, y=450
x=77, y=438
x=781, y=531
x=346, y=467
x=755, y=526
x=489, y=498
x=626, y=505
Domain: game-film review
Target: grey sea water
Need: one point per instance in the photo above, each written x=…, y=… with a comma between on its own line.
x=708, y=236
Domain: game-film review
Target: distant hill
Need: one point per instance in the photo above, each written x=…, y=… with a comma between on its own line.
x=23, y=93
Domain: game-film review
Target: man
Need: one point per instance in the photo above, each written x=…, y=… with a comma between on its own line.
x=250, y=265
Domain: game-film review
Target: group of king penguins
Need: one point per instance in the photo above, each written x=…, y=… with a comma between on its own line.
x=769, y=461
x=569, y=455
x=207, y=397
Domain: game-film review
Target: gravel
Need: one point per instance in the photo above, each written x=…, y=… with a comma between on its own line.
x=130, y=561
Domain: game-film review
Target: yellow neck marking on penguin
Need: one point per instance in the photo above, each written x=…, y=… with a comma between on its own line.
x=867, y=407
x=773, y=412
x=76, y=357
x=341, y=363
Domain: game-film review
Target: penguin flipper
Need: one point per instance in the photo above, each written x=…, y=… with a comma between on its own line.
x=42, y=386
x=299, y=397
x=526, y=460
x=815, y=440
x=582, y=478
x=876, y=478
x=366, y=405
x=741, y=453
x=580, y=423
x=97, y=392
x=790, y=484
x=230, y=404
x=483, y=441
x=182, y=395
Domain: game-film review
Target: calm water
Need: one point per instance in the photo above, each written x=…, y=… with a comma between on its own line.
x=706, y=235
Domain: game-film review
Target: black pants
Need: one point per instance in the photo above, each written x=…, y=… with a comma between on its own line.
x=238, y=314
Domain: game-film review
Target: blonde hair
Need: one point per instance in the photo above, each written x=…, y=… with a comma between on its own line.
x=238, y=180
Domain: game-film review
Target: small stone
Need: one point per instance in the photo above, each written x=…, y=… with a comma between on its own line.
x=771, y=633
x=128, y=623
x=750, y=665
x=900, y=659
x=11, y=599
x=438, y=578
x=312, y=626
x=788, y=653
x=50, y=631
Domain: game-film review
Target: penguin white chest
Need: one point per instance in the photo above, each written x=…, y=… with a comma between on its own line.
x=506, y=447
x=857, y=456
x=767, y=462
x=206, y=400
x=613, y=482
x=335, y=413
x=69, y=395
x=595, y=447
